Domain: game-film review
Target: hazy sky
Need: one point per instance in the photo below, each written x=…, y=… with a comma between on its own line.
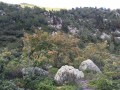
x=113, y=4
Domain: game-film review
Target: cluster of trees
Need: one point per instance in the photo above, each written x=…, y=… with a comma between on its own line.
x=57, y=47
x=92, y=18
x=16, y=20
x=90, y=21
x=60, y=49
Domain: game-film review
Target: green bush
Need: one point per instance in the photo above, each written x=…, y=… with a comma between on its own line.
x=7, y=85
x=116, y=84
x=40, y=64
x=47, y=84
x=102, y=83
x=53, y=70
x=19, y=82
x=38, y=83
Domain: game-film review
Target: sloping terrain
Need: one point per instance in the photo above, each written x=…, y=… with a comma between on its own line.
x=77, y=49
x=90, y=24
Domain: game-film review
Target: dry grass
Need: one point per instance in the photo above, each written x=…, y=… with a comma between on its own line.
x=23, y=5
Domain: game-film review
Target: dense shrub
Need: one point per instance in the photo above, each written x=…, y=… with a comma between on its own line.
x=58, y=48
x=47, y=84
x=13, y=69
x=7, y=85
x=103, y=83
x=39, y=83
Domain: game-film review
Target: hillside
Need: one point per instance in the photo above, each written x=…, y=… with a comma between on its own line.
x=91, y=24
x=77, y=49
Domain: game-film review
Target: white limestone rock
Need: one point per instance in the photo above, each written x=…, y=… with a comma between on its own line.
x=89, y=65
x=105, y=36
x=68, y=74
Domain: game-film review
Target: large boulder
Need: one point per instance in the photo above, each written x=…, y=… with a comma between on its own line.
x=67, y=74
x=89, y=65
x=34, y=71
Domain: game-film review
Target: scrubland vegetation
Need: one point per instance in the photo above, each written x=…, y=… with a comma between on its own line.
x=30, y=37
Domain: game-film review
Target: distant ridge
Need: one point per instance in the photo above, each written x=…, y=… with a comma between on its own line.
x=32, y=5
x=27, y=5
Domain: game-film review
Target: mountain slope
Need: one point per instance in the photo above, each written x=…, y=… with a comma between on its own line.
x=89, y=24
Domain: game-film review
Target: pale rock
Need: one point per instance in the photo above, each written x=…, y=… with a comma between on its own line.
x=117, y=33
x=105, y=36
x=68, y=74
x=89, y=65
x=73, y=30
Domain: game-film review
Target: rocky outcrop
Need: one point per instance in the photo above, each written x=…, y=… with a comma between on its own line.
x=89, y=65
x=105, y=36
x=34, y=71
x=67, y=74
x=73, y=30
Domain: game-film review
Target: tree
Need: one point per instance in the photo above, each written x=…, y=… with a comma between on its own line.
x=56, y=47
x=65, y=45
